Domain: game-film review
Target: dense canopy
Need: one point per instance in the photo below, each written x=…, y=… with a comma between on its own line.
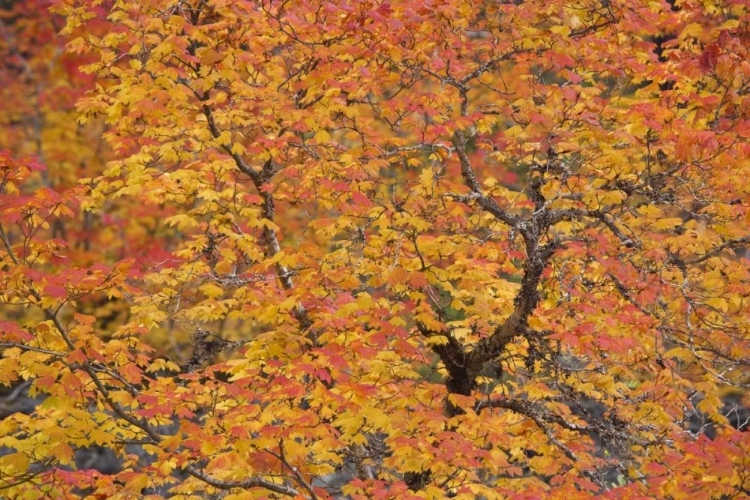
x=375, y=249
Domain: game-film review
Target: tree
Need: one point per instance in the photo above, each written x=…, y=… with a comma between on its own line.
x=435, y=249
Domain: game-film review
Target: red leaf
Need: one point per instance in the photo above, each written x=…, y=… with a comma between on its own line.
x=12, y=332
x=417, y=280
x=360, y=199
x=56, y=291
x=77, y=356
x=709, y=58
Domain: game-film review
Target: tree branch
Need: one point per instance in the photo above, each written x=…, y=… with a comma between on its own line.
x=253, y=482
x=294, y=470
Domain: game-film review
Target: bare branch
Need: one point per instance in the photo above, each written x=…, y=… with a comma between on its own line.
x=731, y=244
x=467, y=172
x=253, y=482
x=294, y=470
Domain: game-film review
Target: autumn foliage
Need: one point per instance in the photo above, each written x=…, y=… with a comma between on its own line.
x=375, y=249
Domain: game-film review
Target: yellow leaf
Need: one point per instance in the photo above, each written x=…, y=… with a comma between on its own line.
x=182, y=221
x=437, y=340
x=322, y=136
x=514, y=131
x=211, y=290
x=718, y=303
x=137, y=482
x=680, y=353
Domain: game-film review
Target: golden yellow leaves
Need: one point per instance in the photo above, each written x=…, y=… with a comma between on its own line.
x=338, y=192
x=597, y=200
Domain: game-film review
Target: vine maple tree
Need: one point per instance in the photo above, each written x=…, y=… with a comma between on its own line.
x=432, y=249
